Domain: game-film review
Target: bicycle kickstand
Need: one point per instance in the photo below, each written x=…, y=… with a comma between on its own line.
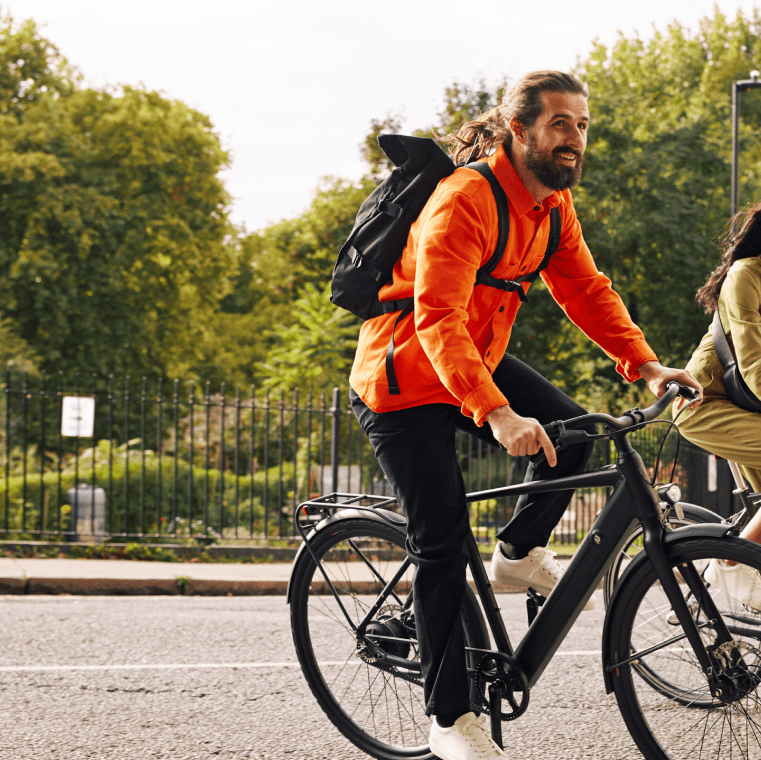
x=496, y=690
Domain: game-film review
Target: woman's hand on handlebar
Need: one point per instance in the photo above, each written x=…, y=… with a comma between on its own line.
x=657, y=377
x=521, y=436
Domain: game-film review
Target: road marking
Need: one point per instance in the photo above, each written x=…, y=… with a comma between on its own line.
x=148, y=666
x=210, y=665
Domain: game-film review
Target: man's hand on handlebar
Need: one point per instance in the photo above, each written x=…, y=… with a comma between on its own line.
x=657, y=377
x=521, y=436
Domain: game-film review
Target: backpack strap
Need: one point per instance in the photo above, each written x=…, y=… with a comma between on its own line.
x=503, y=219
x=720, y=342
x=393, y=383
x=485, y=277
x=484, y=274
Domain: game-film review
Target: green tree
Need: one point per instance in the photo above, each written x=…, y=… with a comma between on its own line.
x=465, y=102
x=114, y=253
x=31, y=67
x=655, y=195
x=379, y=164
x=277, y=268
x=15, y=354
x=316, y=350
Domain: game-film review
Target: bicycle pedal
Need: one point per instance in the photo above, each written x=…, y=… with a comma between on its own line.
x=533, y=602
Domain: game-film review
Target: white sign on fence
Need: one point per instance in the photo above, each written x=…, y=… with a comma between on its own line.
x=78, y=416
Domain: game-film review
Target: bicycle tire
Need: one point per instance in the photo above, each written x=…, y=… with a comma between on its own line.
x=706, y=727
x=379, y=711
x=692, y=515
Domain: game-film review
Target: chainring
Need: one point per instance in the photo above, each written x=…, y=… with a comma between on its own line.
x=499, y=667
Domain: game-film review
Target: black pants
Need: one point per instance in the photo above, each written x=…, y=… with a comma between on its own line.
x=416, y=450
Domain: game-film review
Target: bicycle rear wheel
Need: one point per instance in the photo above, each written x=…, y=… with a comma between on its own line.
x=377, y=707
x=683, y=720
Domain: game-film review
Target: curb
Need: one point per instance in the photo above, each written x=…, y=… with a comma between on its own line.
x=165, y=587
x=138, y=587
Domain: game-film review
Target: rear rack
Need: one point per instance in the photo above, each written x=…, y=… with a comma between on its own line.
x=309, y=512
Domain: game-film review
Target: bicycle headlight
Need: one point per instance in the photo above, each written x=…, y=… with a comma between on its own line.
x=670, y=493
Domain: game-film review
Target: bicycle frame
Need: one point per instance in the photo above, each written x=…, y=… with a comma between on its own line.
x=633, y=500
x=743, y=492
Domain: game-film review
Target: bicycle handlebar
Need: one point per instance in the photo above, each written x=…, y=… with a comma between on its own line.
x=628, y=419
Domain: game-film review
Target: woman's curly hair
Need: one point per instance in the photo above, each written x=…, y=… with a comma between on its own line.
x=735, y=246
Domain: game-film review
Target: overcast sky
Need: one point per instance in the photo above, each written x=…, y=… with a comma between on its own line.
x=292, y=85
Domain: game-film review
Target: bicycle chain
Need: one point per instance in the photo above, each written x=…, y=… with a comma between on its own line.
x=377, y=663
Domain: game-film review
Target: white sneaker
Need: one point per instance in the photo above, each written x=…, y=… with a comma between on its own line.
x=539, y=570
x=740, y=582
x=468, y=739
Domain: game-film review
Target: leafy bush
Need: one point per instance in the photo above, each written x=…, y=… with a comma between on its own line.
x=148, y=498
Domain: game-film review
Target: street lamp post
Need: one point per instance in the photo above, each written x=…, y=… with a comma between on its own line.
x=737, y=88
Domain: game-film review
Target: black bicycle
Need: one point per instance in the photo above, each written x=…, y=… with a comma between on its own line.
x=354, y=628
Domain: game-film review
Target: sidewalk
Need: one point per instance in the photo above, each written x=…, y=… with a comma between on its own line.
x=105, y=577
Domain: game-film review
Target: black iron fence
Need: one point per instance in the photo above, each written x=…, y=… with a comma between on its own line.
x=174, y=460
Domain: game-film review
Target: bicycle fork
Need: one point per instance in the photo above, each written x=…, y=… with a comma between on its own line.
x=656, y=554
x=653, y=536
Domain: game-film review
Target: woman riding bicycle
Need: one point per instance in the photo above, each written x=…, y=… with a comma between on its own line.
x=719, y=425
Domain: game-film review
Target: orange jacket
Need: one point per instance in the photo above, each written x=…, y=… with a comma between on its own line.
x=460, y=332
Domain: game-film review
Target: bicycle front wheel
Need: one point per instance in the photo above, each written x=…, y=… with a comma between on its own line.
x=685, y=720
x=377, y=706
x=692, y=514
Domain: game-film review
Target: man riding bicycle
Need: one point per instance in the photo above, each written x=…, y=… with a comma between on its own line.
x=451, y=364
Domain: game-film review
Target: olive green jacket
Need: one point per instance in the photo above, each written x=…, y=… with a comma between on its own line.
x=740, y=311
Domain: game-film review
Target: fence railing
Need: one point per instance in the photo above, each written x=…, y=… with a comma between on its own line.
x=179, y=460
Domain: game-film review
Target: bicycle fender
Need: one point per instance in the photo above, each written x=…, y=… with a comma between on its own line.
x=380, y=515
x=705, y=516
x=712, y=530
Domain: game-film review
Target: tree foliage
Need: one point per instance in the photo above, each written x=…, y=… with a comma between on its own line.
x=113, y=253
x=280, y=269
x=655, y=195
x=31, y=67
x=315, y=351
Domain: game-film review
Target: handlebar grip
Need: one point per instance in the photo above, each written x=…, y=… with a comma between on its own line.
x=655, y=410
x=691, y=394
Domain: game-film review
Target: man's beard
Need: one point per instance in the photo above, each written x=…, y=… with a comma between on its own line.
x=549, y=171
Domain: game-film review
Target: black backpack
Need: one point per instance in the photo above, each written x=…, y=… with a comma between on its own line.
x=366, y=260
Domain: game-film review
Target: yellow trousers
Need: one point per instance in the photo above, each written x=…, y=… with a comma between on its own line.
x=724, y=429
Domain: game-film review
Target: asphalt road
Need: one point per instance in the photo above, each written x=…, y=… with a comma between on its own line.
x=215, y=677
